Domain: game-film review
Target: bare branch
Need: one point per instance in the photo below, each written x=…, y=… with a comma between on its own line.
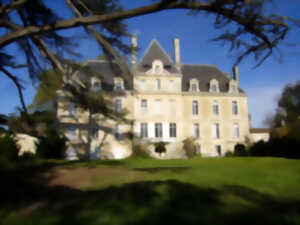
x=11, y=6
x=18, y=85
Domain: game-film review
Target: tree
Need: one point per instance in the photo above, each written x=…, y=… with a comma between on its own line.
x=288, y=107
x=34, y=27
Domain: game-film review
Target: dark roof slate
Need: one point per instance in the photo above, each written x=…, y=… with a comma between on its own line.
x=106, y=71
x=203, y=73
x=155, y=51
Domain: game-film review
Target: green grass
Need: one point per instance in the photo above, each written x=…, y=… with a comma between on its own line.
x=148, y=191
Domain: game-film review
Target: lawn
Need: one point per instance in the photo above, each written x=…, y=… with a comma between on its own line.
x=147, y=191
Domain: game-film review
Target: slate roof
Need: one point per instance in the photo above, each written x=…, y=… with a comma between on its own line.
x=105, y=71
x=203, y=73
x=155, y=51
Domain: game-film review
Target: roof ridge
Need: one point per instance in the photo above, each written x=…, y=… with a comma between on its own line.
x=159, y=45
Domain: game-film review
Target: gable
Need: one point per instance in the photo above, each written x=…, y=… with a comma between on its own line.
x=156, y=52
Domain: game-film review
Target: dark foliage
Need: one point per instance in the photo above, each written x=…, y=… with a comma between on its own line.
x=240, y=150
x=52, y=146
x=285, y=147
x=8, y=149
x=160, y=147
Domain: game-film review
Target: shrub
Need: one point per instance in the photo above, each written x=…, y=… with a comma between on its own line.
x=160, y=147
x=52, y=146
x=240, y=150
x=229, y=154
x=189, y=147
x=277, y=147
x=8, y=148
x=140, y=150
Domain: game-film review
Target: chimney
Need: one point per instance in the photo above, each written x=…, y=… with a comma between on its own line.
x=176, y=43
x=133, y=49
x=236, y=74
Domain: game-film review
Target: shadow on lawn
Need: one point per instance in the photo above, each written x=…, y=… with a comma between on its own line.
x=152, y=202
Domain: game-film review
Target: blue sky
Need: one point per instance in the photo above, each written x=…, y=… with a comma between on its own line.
x=263, y=85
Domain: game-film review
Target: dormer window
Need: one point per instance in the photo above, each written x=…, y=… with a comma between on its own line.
x=96, y=84
x=214, y=86
x=118, y=82
x=194, y=85
x=233, y=87
x=157, y=67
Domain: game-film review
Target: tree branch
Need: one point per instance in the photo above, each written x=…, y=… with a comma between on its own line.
x=11, y=6
x=89, y=20
x=18, y=85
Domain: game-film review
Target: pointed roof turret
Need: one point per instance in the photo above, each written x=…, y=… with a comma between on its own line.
x=154, y=52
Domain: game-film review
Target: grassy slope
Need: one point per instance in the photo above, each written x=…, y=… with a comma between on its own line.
x=143, y=191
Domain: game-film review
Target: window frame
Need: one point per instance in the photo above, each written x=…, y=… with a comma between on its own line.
x=196, y=130
x=215, y=108
x=144, y=130
x=118, y=132
x=144, y=106
x=158, y=127
x=234, y=108
x=195, y=108
x=172, y=130
x=236, y=131
x=118, y=105
x=158, y=84
x=216, y=128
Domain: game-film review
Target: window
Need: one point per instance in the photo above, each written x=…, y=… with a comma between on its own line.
x=72, y=134
x=118, y=134
x=96, y=85
x=144, y=106
x=215, y=108
x=157, y=66
x=219, y=150
x=195, y=107
x=118, y=84
x=143, y=84
x=144, y=130
x=157, y=69
x=236, y=131
x=157, y=106
x=214, y=88
x=172, y=130
x=72, y=108
x=171, y=85
x=157, y=84
x=196, y=130
x=194, y=87
x=234, y=88
x=95, y=132
x=158, y=130
x=118, y=105
x=216, y=130
x=234, y=108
